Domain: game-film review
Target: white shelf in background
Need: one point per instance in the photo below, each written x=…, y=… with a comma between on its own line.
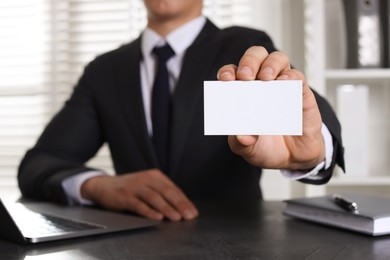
x=325, y=54
x=357, y=73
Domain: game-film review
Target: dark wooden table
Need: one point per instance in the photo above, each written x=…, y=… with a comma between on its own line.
x=223, y=231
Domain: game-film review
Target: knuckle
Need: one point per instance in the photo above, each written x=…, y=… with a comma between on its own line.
x=122, y=191
x=280, y=56
x=150, y=196
x=182, y=203
x=168, y=192
x=249, y=58
x=296, y=74
x=280, y=53
x=139, y=207
x=154, y=173
x=299, y=73
x=226, y=67
x=258, y=49
x=253, y=56
x=166, y=209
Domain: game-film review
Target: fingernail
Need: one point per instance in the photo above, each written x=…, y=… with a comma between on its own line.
x=284, y=77
x=245, y=71
x=225, y=75
x=158, y=216
x=189, y=214
x=175, y=216
x=267, y=71
x=241, y=138
x=246, y=140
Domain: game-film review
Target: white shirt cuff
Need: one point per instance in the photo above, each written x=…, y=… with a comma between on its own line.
x=72, y=187
x=313, y=174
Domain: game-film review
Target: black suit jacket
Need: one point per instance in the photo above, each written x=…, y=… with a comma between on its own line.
x=106, y=106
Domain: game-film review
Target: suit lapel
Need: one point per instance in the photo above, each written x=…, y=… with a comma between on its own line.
x=130, y=96
x=196, y=67
x=197, y=63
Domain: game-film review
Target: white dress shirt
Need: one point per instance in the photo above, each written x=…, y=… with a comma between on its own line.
x=179, y=40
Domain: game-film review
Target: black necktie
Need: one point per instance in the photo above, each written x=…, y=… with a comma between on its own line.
x=161, y=106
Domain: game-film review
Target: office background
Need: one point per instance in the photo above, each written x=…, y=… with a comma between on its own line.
x=44, y=45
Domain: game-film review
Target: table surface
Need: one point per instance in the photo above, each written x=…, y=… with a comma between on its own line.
x=223, y=231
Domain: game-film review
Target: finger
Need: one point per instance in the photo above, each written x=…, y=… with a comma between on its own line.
x=156, y=201
x=177, y=199
x=182, y=204
x=227, y=72
x=308, y=101
x=250, y=63
x=246, y=140
x=273, y=66
x=173, y=195
x=242, y=145
x=293, y=74
x=138, y=206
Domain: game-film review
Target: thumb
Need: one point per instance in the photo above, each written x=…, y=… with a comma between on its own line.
x=242, y=144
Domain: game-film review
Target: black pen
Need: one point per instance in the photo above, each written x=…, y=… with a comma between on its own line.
x=345, y=203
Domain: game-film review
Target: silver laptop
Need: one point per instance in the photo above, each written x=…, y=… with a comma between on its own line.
x=26, y=221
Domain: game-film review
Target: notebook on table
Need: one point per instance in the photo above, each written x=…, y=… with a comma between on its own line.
x=27, y=221
x=371, y=214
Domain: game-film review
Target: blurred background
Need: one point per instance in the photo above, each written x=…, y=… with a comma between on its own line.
x=45, y=44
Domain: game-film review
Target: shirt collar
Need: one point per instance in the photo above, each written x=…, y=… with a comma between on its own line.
x=179, y=39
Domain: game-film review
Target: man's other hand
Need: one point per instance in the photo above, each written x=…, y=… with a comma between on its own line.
x=148, y=193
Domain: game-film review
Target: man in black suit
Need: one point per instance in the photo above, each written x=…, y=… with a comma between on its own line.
x=112, y=104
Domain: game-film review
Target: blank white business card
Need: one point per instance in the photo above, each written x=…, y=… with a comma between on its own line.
x=253, y=107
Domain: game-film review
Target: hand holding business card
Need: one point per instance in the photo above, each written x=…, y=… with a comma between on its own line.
x=253, y=107
x=275, y=123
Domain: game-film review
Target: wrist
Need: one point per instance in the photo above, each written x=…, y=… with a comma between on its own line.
x=311, y=158
x=90, y=187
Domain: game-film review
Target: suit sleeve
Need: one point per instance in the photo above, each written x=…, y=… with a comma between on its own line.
x=330, y=120
x=71, y=138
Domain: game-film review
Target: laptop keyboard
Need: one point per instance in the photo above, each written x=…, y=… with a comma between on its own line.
x=30, y=222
